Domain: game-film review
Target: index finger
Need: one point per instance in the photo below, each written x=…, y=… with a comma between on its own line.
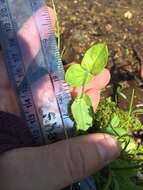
x=28, y=35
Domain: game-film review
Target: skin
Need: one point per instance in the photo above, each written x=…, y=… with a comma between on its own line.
x=60, y=164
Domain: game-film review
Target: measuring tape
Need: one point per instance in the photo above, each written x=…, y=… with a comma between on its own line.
x=42, y=94
x=46, y=113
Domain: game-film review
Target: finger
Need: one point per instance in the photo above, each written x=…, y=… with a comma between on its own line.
x=7, y=97
x=93, y=93
x=94, y=87
x=8, y=102
x=30, y=43
x=98, y=82
x=95, y=97
x=4, y=81
x=28, y=35
x=29, y=40
x=58, y=165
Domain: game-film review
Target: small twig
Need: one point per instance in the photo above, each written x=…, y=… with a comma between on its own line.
x=131, y=104
x=57, y=24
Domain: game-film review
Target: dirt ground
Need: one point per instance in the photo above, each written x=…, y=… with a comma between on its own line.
x=119, y=23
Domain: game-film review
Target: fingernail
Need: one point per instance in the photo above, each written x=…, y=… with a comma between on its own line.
x=108, y=148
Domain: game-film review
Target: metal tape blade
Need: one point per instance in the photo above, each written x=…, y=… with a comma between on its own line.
x=38, y=80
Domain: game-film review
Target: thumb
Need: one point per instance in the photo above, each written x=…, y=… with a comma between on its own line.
x=82, y=156
x=57, y=165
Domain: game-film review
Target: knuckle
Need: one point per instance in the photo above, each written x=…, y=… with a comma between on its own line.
x=75, y=162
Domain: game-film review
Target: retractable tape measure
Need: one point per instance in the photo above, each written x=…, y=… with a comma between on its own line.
x=45, y=112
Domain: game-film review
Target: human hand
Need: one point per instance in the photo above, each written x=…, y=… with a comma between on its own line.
x=60, y=164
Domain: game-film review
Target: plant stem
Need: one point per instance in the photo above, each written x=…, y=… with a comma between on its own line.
x=83, y=84
x=57, y=24
x=131, y=104
x=109, y=181
x=63, y=51
x=130, y=109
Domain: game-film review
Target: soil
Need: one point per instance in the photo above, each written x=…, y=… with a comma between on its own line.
x=119, y=23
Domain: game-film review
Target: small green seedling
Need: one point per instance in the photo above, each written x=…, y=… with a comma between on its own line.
x=123, y=172
x=79, y=75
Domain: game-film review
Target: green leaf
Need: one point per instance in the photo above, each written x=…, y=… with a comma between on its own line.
x=138, y=111
x=116, y=184
x=123, y=95
x=115, y=121
x=82, y=112
x=124, y=172
x=114, y=127
x=95, y=59
x=76, y=75
x=116, y=131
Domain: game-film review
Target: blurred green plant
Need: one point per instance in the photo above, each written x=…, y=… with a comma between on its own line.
x=109, y=118
x=126, y=172
x=79, y=75
x=123, y=172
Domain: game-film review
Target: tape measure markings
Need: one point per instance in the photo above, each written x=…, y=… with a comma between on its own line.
x=24, y=88
x=53, y=48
